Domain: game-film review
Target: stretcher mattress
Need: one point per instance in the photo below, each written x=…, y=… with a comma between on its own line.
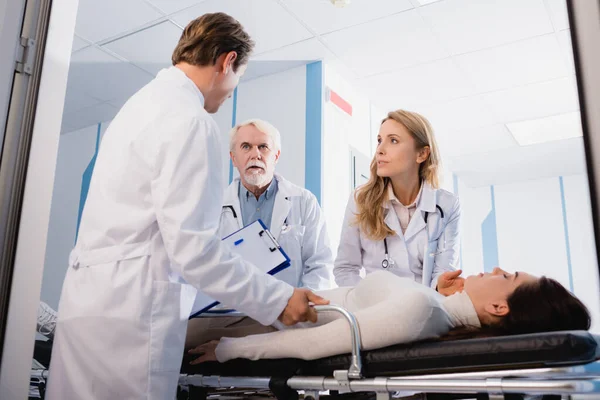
x=481, y=354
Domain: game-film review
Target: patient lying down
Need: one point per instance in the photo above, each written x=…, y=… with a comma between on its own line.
x=392, y=310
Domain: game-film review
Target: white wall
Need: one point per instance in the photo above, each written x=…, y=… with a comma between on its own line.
x=530, y=228
x=280, y=99
x=223, y=118
x=532, y=235
x=475, y=206
x=74, y=154
x=342, y=132
x=581, y=244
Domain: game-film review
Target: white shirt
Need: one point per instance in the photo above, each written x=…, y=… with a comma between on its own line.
x=389, y=310
x=403, y=212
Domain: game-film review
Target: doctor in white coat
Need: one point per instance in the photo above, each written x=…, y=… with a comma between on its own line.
x=400, y=220
x=148, y=235
x=291, y=213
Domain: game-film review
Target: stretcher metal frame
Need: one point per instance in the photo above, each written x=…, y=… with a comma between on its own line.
x=556, y=381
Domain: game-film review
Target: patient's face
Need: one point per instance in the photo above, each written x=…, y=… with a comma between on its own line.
x=495, y=286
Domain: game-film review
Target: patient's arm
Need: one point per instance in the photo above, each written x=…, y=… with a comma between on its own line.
x=381, y=325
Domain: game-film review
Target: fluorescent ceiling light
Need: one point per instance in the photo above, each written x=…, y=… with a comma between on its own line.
x=541, y=130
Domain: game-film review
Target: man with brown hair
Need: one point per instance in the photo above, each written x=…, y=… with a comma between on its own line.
x=148, y=233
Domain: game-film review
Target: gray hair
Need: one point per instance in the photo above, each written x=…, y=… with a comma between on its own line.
x=262, y=126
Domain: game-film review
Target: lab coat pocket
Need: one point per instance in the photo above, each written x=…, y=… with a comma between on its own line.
x=290, y=240
x=167, y=327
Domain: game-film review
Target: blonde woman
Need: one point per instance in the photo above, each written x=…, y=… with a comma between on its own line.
x=400, y=220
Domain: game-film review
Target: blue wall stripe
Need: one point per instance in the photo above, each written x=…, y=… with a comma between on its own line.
x=85, y=181
x=566, y=226
x=233, y=122
x=489, y=237
x=314, y=128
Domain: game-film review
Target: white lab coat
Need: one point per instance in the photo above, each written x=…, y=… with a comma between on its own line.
x=149, y=225
x=423, y=252
x=298, y=225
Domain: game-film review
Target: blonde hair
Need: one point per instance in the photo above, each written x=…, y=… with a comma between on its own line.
x=371, y=196
x=262, y=126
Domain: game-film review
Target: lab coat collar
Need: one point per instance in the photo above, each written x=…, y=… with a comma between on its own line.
x=417, y=223
x=428, y=198
x=426, y=202
x=285, y=191
x=286, y=187
x=175, y=74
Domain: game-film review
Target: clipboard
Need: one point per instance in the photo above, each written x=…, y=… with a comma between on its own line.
x=255, y=244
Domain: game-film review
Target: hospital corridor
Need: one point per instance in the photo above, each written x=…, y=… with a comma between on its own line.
x=300, y=199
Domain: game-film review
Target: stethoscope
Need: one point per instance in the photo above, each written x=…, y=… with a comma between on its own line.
x=230, y=208
x=389, y=262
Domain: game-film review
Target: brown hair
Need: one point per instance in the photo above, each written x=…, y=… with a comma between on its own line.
x=370, y=197
x=541, y=306
x=207, y=37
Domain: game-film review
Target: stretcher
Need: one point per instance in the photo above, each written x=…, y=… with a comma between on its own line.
x=550, y=365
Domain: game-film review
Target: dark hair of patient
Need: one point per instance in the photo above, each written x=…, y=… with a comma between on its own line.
x=542, y=306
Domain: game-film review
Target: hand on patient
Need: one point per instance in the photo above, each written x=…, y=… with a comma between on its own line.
x=450, y=282
x=298, y=308
x=206, y=351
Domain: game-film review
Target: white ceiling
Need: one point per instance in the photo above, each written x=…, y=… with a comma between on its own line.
x=470, y=66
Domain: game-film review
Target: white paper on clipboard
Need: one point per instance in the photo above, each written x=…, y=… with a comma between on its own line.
x=255, y=244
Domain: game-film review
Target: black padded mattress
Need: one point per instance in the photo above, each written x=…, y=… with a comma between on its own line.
x=432, y=357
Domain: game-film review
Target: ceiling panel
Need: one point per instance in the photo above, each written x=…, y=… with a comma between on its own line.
x=547, y=129
x=564, y=157
x=558, y=14
x=172, y=6
x=459, y=114
x=104, y=77
x=475, y=140
x=261, y=68
x=467, y=25
x=324, y=17
x=434, y=82
x=76, y=99
x=99, y=20
x=398, y=41
x=534, y=101
x=308, y=50
x=89, y=116
x=533, y=60
x=78, y=44
x=266, y=21
x=150, y=48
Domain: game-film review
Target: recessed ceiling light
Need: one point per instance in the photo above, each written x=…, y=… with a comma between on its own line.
x=541, y=130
